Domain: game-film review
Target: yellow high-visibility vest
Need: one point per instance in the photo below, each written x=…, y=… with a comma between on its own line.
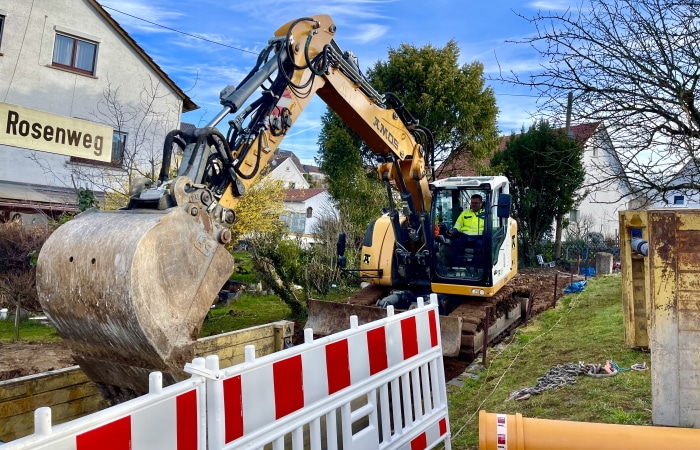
x=470, y=222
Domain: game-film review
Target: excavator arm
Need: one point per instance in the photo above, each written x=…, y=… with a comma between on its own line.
x=128, y=290
x=300, y=61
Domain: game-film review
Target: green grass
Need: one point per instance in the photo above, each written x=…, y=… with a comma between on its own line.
x=29, y=330
x=585, y=327
x=246, y=311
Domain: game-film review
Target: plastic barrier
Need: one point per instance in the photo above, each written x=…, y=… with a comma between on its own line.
x=505, y=431
x=378, y=386
x=170, y=418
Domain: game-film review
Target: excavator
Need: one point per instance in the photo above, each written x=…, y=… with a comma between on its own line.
x=129, y=289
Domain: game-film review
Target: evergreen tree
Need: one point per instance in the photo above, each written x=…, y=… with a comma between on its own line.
x=545, y=168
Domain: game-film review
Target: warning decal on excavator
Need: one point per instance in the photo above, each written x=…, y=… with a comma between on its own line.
x=365, y=258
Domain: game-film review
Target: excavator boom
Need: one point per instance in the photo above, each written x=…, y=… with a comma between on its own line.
x=129, y=289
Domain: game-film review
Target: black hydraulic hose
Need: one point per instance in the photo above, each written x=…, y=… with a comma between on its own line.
x=257, y=164
x=289, y=35
x=173, y=137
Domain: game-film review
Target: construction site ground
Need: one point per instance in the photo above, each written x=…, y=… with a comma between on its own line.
x=25, y=358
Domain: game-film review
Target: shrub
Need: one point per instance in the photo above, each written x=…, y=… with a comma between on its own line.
x=20, y=246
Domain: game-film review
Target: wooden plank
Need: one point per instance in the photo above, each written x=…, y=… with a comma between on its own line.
x=635, y=298
x=688, y=220
x=22, y=425
x=42, y=382
x=30, y=403
x=688, y=300
x=689, y=321
x=688, y=281
x=240, y=337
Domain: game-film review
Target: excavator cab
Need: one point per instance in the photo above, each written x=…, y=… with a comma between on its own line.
x=464, y=260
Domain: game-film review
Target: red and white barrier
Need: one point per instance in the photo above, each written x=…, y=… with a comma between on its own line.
x=169, y=418
x=378, y=386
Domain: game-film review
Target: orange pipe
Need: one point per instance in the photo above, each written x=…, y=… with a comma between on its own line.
x=514, y=432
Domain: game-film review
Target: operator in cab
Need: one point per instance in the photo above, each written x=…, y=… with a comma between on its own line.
x=469, y=226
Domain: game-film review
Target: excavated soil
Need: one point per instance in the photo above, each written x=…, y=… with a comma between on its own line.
x=25, y=358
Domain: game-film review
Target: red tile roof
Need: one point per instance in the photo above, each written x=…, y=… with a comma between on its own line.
x=459, y=166
x=301, y=195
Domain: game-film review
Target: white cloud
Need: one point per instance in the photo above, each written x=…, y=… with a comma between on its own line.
x=135, y=10
x=552, y=5
x=369, y=32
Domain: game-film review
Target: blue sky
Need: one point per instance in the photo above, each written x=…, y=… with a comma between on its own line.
x=369, y=28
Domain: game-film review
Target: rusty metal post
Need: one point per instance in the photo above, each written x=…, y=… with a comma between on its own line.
x=556, y=281
x=487, y=324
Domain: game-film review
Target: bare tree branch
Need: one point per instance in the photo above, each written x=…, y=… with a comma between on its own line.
x=634, y=65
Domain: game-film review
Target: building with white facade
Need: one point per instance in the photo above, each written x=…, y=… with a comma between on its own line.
x=305, y=209
x=598, y=211
x=72, y=83
x=284, y=169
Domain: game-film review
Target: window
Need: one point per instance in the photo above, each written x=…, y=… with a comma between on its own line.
x=309, y=212
x=296, y=222
x=118, y=146
x=74, y=54
x=2, y=26
x=678, y=200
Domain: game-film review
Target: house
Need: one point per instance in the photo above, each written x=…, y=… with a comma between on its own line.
x=287, y=167
x=305, y=210
x=598, y=211
x=71, y=85
x=288, y=170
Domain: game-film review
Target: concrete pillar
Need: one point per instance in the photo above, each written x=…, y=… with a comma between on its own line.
x=603, y=263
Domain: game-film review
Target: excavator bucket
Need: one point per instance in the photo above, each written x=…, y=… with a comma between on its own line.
x=331, y=317
x=129, y=290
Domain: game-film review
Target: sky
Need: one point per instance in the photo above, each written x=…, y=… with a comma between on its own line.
x=208, y=44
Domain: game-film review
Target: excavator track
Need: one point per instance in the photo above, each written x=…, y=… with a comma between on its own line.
x=462, y=330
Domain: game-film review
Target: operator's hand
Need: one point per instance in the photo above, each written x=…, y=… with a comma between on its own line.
x=453, y=232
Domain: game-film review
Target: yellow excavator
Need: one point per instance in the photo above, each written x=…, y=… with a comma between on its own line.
x=128, y=290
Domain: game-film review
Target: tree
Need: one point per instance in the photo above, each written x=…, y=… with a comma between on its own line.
x=280, y=264
x=450, y=100
x=259, y=210
x=546, y=171
x=356, y=189
x=634, y=65
x=447, y=98
x=140, y=127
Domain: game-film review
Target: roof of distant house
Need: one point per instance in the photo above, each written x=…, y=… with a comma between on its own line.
x=459, y=166
x=282, y=155
x=301, y=195
x=187, y=103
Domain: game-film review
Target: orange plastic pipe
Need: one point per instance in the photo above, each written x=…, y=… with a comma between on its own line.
x=514, y=432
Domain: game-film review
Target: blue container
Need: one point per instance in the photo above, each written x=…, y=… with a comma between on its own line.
x=588, y=271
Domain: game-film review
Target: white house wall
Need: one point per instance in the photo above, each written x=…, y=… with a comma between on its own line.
x=322, y=206
x=28, y=79
x=289, y=174
x=602, y=203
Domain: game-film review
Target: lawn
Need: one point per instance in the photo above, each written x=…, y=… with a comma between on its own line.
x=584, y=327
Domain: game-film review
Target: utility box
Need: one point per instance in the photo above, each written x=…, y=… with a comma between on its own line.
x=670, y=277
x=635, y=282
